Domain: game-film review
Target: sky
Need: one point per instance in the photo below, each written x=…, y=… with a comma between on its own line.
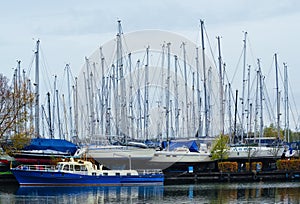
x=70, y=30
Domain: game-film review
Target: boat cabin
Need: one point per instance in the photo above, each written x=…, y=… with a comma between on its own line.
x=87, y=168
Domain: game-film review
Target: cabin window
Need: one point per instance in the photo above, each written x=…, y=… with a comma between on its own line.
x=83, y=168
x=77, y=168
x=128, y=174
x=105, y=174
x=71, y=168
x=66, y=167
x=117, y=173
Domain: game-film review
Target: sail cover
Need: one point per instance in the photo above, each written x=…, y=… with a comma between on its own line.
x=52, y=144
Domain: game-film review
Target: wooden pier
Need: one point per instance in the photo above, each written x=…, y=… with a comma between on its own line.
x=253, y=176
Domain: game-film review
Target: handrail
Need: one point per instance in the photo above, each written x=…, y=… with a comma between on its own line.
x=149, y=171
x=37, y=167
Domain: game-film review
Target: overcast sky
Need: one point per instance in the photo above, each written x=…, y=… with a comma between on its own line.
x=70, y=30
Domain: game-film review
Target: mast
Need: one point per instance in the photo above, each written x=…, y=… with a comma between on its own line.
x=69, y=98
x=163, y=94
x=89, y=105
x=91, y=102
x=277, y=94
x=199, y=131
x=209, y=96
x=37, y=94
x=171, y=118
x=130, y=96
x=53, y=104
x=108, y=107
x=95, y=113
x=146, y=104
x=49, y=113
x=256, y=102
x=15, y=99
x=250, y=118
x=176, y=99
x=167, y=92
x=66, y=134
x=102, y=91
x=204, y=80
x=235, y=114
x=75, y=98
x=25, y=88
x=248, y=104
x=221, y=89
x=244, y=84
x=139, y=121
x=261, y=101
x=186, y=91
x=193, y=102
x=58, y=116
x=286, y=105
x=229, y=112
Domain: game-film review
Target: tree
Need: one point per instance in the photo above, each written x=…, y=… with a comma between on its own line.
x=271, y=131
x=16, y=101
x=220, y=148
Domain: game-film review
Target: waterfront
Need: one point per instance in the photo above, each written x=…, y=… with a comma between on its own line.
x=256, y=192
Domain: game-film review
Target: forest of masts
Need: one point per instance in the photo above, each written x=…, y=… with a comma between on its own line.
x=151, y=95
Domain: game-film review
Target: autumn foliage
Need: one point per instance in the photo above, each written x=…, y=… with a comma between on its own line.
x=16, y=101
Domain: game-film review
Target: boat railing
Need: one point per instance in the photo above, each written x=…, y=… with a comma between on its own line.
x=37, y=167
x=149, y=171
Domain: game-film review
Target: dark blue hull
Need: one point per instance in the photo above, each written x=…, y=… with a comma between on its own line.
x=49, y=178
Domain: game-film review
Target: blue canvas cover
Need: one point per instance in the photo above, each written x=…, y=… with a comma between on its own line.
x=52, y=144
x=173, y=144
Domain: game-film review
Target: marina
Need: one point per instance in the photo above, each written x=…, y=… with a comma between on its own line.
x=151, y=116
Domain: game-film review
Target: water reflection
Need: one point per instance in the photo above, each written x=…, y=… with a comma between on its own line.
x=269, y=192
x=116, y=194
x=265, y=192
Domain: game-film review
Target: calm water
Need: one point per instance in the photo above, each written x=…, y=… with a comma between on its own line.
x=260, y=192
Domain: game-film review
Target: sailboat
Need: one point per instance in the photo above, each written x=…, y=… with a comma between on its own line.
x=261, y=147
x=43, y=150
x=185, y=152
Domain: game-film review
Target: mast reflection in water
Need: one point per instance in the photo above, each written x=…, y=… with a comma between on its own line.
x=265, y=192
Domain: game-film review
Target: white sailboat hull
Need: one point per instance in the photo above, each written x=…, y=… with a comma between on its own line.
x=120, y=157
